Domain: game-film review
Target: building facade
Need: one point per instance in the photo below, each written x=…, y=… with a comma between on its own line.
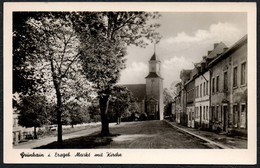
x=149, y=96
x=219, y=87
x=202, y=100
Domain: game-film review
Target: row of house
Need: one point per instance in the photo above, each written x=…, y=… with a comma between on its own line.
x=213, y=95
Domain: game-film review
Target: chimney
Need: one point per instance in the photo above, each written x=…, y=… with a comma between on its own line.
x=215, y=45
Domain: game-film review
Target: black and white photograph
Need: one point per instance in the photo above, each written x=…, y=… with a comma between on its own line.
x=130, y=83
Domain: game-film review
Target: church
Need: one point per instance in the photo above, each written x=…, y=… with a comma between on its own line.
x=149, y=96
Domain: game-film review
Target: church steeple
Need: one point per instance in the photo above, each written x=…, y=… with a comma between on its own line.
x=154, y=56
x=154, y=66
x=154, y=88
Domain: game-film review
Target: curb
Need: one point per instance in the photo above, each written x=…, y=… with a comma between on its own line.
x=221, y=146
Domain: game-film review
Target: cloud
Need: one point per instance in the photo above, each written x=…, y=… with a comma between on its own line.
x=171, y=69
x=221, y=32
x=135, y=73
x=178, y=52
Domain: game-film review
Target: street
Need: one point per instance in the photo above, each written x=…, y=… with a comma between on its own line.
x=153, y=134
x=134, y=135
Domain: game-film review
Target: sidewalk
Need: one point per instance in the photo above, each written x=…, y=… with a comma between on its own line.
x=222, y=141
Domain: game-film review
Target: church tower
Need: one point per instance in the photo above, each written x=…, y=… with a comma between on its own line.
x=154, y=89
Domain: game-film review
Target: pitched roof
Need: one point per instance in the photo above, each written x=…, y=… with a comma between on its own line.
x=154, y=57
x=153, y=75
x=229, y=51
x=138, y=90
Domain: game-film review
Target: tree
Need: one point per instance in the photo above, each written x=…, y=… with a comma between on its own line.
x=33, y=112
x=77, y=114
x=121, y=100
x=167, y=96
x=55, y=59
x=23, y=46
x=94, y=112
x=104, y=49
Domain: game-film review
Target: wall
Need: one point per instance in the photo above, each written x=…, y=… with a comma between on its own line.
x=202, y=102
x=239, y=93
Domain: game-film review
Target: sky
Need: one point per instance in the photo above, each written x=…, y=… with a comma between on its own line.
x=186, y=38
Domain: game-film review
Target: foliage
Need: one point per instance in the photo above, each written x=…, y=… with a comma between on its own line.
x=76, y=114
x=120, y=102
x=167, y=97
x=104, y=48
x=33, y=111
x=55, y=60
x=94, y=112
x=23, y=46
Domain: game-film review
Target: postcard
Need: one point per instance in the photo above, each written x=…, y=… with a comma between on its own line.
x=129, y=83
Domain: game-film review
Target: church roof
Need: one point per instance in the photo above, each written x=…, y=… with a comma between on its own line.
x=154, y=57
x=138, y=90
x=153, y=75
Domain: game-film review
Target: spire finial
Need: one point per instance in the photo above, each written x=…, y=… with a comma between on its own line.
x=154, y=48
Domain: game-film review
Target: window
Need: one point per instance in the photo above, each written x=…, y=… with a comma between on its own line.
x=243, y=73
x=217, y=84
x=204, y=89
x=212, y=113
x=207, y=112
x=220, y=114
x=243, y=116
x=213, y=85
x=216, y=115
x=235, y=77
x=200, y=90
x=197, y=112
x=204, y=113
x=207, y=88
x=235, y=116
x=225, y=81
x=197, y=91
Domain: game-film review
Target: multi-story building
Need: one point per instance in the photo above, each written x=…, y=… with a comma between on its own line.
x=238, y=54
x=217, y=90
x=190, y=106
x=178, y=105
x=229, y=88
x=202, y=87
x=185, y=77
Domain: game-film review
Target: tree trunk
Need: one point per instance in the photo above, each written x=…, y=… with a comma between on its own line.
x=58, y=108
x=35, y=134
x=103, y=103
x=118, y=120
x=56, y=83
